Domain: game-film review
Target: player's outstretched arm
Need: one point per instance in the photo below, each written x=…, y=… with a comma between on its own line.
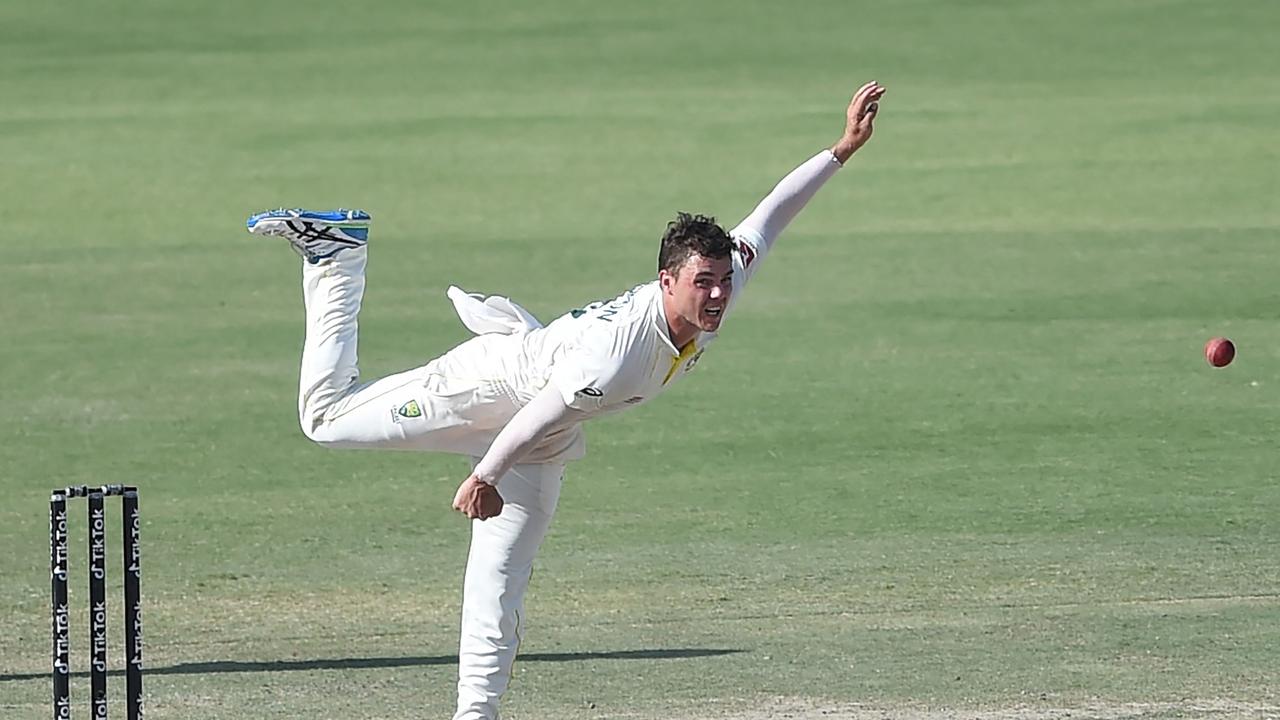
x=794, y=191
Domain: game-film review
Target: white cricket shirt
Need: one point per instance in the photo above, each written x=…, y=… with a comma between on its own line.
x=616, y=354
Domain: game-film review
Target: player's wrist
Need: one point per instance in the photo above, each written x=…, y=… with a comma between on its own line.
x=842, y=151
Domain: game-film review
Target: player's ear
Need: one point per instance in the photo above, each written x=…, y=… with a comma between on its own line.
x=666, y=280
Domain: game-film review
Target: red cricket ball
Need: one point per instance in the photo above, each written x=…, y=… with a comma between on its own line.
x=1219, y=352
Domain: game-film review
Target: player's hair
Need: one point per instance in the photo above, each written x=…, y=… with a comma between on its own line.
x=690, y=235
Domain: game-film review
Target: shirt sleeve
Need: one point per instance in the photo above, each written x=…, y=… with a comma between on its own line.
x=522, y=433
x=754, y=236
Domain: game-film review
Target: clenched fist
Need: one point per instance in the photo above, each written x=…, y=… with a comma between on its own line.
x=477, y=499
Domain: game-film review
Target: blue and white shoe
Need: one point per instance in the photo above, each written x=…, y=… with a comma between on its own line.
x=315, y=235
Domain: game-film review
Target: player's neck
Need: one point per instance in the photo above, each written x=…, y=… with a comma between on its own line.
x=682, y=338
x=680, y=331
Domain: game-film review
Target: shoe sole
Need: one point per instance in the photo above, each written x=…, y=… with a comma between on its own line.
x=342, y=219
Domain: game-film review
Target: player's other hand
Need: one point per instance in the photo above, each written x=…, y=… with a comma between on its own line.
x=859, y=120
x=477, y=499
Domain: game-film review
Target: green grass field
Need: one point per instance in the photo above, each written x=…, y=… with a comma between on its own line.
x=957, y=453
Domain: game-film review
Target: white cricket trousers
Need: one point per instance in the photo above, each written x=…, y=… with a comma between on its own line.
x=435, y=407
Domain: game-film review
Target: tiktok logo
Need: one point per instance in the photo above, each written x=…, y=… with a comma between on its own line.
x=60, y=546
x=135, y=556
x=61, y=626
x=99, y=622
x=98, y=548
x=135, y=656
x=60, y=563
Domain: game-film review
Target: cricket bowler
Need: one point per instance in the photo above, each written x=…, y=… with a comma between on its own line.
x=514, y=397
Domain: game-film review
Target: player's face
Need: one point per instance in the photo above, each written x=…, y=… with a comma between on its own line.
x=700, y=291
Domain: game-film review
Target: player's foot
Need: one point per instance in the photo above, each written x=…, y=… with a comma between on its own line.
x=314, y=234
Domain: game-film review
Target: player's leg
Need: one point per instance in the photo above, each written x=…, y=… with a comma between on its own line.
x=499, y=566
x=434, y=407
x=332, y=292
x=333, y=245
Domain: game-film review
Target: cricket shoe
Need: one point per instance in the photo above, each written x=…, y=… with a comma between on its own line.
x=314, y=234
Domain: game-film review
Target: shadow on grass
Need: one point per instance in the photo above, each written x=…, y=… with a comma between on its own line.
x=234, y=666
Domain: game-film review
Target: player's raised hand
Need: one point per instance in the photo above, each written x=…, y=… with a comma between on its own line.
x=477, y=499
x=859, y=120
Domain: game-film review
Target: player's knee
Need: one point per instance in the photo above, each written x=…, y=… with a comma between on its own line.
x=310, y=432
x=332, y=436
x=317, y=431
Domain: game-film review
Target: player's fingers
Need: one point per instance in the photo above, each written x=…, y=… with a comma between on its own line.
x=860, y=97
x=868, y=115
x=872, y=97
x=484, y=502
x=460, y=496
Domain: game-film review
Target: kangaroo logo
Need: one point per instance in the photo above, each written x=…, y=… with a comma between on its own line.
x=410, y=410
